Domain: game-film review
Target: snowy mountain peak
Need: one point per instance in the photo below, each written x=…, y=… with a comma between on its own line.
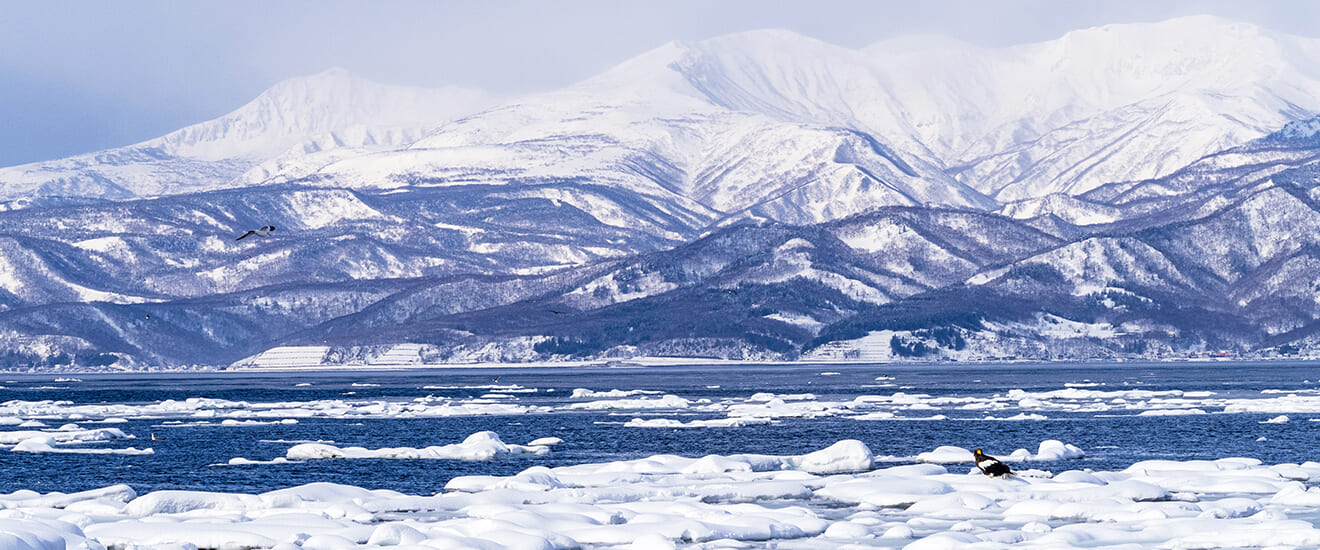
x=1113, y=103
x=1203, y=49
x=210, y=155
x=1101, y=105
x=761, y=41
x=304, y=107
x=1203, y=27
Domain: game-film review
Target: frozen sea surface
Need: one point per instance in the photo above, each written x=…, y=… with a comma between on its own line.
x=1195, y=455
x=1117, y=413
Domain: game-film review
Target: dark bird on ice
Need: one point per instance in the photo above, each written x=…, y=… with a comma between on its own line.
x=264, y=231
x=990, y=465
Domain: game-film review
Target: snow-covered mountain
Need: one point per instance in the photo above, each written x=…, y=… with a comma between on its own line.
x=766, y=123
x=1115, y=103
x=309, y=114
x=736, y=122
x=1136, y=190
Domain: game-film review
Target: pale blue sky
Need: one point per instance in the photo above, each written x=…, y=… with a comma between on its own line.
x=78, y=76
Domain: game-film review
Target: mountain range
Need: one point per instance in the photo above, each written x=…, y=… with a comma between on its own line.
x=1143, y=190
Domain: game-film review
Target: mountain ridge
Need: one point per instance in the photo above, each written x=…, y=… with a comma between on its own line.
x=210, y=154
x=976, y=115
x=755, y=196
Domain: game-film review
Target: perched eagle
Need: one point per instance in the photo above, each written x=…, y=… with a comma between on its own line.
x=263, y=232
x=990, y=465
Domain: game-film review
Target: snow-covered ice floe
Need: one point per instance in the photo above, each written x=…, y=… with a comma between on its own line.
x=831, y=498
x=584, y=393
x=48, y=444
x=65, y=440
x=666, y=401
x=711, y=423
x=203, y=408
x=1048, y=450
x=1012, y=405
x=66, y=434
x=478, y=446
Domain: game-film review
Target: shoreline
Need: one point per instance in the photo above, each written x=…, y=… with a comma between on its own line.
x=641, y=363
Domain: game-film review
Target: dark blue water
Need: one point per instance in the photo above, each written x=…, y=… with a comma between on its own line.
x=186, y=458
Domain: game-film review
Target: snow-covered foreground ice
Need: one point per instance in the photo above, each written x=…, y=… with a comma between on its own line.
x=298, y=459
x=831, y=498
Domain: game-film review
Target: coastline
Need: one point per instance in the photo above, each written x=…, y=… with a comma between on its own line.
x=644, y=363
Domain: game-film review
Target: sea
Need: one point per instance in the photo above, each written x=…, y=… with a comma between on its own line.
x=189, y=455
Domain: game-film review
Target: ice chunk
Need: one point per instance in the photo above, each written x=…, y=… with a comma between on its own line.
x=1053, y=449
x=46, y=444
x=945, y=454
x=712, y=423
x=584, y=393
x=478, y=446
x=849, y=455
x=664, y=402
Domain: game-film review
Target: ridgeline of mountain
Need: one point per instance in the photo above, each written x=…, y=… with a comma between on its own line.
x=298, y=116
x=1114, y=193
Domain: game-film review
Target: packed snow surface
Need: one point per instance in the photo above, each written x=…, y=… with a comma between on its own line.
x=479, y=488
x=830, y=498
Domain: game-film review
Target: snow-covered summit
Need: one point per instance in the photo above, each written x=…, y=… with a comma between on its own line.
x=332, y=107
x=953, y=123
x=299, y=108
x=1113, y=103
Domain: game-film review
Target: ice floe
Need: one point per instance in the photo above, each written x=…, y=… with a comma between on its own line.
x=210, y=408
x=233, y=422
x=869, y=403
x=1048, y=450
x=584, y=393
x=64, y=436
x=666, y=401
x=65, y=440
x=478, y=446
x=1171, y=412
x=712, y=423
x=47, y=444
x=1019, y=416
x=831, y=498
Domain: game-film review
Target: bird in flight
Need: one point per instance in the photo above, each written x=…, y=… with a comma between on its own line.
x=263, y=232
x=990, y=465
